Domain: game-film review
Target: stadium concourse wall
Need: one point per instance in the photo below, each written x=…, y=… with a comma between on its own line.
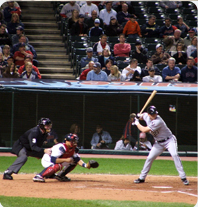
x=88, y=103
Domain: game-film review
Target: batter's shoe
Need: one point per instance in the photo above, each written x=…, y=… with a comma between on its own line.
x=63, y=178
x=7, y=176
x=38, y=178
x=139, y=181
x=185, y=181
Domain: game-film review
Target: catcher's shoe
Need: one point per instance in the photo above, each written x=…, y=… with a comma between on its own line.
x=139, y=181
x=51, y=177
x=185, y=181
x=63, y=178
x=7, y=176
x=38, y=178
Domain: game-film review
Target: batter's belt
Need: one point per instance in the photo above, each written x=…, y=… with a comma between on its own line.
x=163, y=140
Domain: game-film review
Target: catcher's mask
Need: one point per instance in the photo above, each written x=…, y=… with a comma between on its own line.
x=45, y=122
x=73, y=138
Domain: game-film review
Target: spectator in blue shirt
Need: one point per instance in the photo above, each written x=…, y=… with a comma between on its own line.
x=97, y=74
x=96, y=30
x=85, y=60
x=171, y=72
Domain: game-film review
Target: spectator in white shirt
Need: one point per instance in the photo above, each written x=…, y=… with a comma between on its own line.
x=152, y=77
x=105, y=14
x=123, y=144
x=87, y=8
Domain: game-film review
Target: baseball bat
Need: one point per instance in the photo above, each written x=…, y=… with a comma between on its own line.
x=148, y=100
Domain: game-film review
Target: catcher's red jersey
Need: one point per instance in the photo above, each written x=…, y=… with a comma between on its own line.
x=69, y=152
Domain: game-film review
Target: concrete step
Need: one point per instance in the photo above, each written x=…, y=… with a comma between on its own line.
x=59, y=76
x=54, y=63
x=59, y=56
x=44, y=37
x=50, y=50
x=53, y=70
x=41, y=25
x=38, y=17
x=43, y=43
x=30, y=4
x=37, y=31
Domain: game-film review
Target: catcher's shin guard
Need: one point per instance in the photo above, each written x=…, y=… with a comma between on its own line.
x=66, y=170
x=51, y=170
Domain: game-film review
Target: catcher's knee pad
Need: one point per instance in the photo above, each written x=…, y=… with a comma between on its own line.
x=51, y=170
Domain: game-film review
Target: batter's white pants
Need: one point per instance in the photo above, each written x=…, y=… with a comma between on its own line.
x=157, y=149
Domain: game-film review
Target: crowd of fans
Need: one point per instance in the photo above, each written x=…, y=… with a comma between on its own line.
x=17, y=56
x=175, y=49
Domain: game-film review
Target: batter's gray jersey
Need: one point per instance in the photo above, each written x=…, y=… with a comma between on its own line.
x=158, y=127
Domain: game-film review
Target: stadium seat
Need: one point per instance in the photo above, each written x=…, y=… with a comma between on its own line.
x=121, y=64
x=113, y=39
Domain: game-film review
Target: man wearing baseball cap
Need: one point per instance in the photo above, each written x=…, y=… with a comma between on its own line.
x=19, y=32
x=152, y=77
x=96, y=30
x=97, y=74
x=190, y=35
x=85, y=60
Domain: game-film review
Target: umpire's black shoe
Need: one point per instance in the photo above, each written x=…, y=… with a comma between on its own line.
x=139, y=181
x=63, y=178
x=7, y=176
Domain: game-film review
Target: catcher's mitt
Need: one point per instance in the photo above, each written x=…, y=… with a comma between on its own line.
x=93, y=164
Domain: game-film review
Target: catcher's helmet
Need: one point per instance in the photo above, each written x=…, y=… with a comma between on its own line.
x=71, y=137
x=43, y=122
x=152, y=110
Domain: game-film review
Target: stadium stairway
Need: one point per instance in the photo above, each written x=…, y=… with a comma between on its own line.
x=42, y=31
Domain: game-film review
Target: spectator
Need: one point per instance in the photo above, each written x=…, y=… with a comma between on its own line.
x=9, y=10
x=21, y=54
x=74, y=18
x=144, y=144
x=85, y=60
x=117, y=6
x=29, y=73
x=180, y=56
x=182, y=26
x=149, y=65
x=171, y=72
x=96, y=30
x=188, y=38
x=10, y=60
x=83, y=75
x=132, y=28
x=100, y=139
x=189, y=72
x=115, y=74
x=15, y=37
x=14, y=23
x=2, y=64
x=167, y=29
x=131, y=70
x=4, y=36
x=113, y=29
x=150, y=29
x=79, y=28
x=6, y=52
x=108, y=65
x=194, y=54
x=122, y=49
x=10, y=72
x=51, y=139
x=2, y=21
x=140, y=53
x=130, y=131
x=152, y=77
x=160, y=57
x=123, y=144
x=101, y=45
x=171, y=4
x=97, y=74
x=191, y=48
x=67, y=9
x=87, y=8
x=106, y=54
x=91, y=20
x=105, y=14
x=22, y=68
x=172, y=41
x=123, y=16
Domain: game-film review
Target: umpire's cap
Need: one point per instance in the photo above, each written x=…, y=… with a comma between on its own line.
x=43, y=122
x=152, y=110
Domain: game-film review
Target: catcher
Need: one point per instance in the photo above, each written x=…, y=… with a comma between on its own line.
x=64, y=158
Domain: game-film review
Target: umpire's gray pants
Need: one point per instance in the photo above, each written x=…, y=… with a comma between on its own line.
x=19, y=162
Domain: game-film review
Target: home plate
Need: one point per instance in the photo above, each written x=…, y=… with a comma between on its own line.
x=162, y=187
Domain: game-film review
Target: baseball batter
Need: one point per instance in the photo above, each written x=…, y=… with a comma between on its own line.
x=64, y=158
x=164, y=139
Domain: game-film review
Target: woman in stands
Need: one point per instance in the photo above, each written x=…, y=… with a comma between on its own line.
x=10, y=72
x=115, y=74
x=114, y=28
x=191, y=48
x=73, y=19
x=14, y=23
x=108, y=65
x=181, y=55
x=6, y=52
x=106, y=54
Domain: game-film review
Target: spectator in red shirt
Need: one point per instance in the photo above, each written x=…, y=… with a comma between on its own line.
x=122, y=49
x=22, y=68
x=21, y=54
x=84, y=73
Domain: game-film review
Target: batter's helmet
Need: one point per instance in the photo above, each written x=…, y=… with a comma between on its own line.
x=43, y=122
x=152, y=110
x=71, y=137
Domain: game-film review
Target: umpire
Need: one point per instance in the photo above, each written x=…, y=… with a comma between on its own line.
x=29, y=144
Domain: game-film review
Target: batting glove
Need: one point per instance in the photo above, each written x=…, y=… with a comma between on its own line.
x=136, y=122
x=139, y=116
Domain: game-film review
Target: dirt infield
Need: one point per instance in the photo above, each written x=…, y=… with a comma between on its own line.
x=104, y=187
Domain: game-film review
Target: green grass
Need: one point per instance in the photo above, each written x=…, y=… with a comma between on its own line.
x=110, y=166
x=43, y=202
